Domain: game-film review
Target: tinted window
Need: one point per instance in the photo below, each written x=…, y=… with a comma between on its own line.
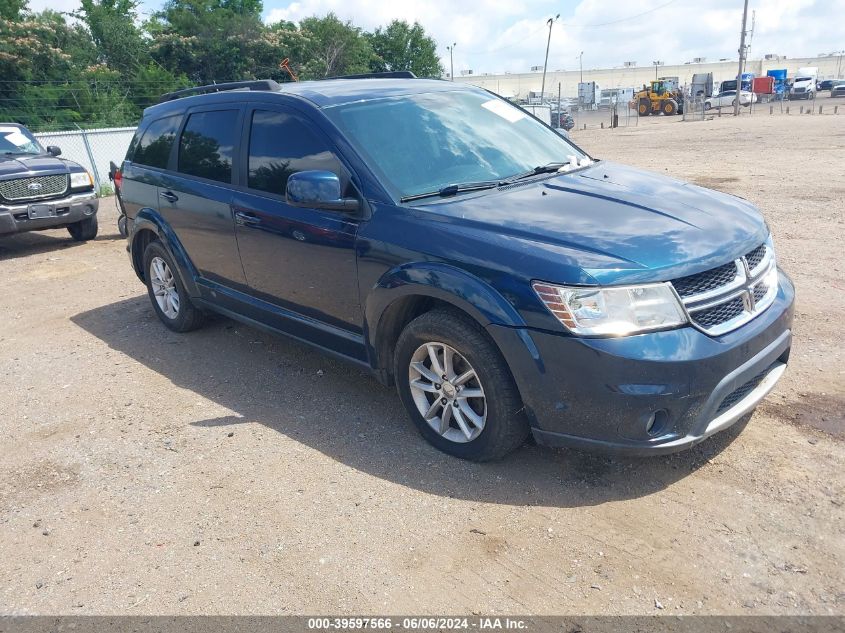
x=207, y=145
x=154, y=147
x=279, y=145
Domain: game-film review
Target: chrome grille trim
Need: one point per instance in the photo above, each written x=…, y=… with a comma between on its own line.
x=717, y=307
x=48, y=187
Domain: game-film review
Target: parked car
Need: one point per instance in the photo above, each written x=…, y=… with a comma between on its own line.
x=826, y=84
x=502, y=279
x=40, y=191
x=728, y=98
x=838, y=89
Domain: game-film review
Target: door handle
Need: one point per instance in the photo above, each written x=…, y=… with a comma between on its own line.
x=246, y=217
x=169, y=196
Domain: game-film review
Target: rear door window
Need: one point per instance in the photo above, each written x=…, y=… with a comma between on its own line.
x=207, y=145
x=153, y=148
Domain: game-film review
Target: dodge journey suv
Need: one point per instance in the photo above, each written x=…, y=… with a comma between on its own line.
x=506, y=282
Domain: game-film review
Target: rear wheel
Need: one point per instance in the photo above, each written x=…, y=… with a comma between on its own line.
x=121, y=226
x=457, y=388
x=670, y=106
x=167, y=294
x=83, y=230
x=708, y=105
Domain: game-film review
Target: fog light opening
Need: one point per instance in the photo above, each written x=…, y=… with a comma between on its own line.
x=656, y=423
x=88, y=210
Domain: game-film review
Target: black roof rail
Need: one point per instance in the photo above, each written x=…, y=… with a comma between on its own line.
x=394, y=74
x=260, y=84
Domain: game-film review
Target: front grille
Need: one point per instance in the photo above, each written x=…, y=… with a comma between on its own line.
x=723, y=298
x=799, y=90
x=735, y=396
x=755, y=257
x=34, y=188
x=719, y=314
x=704, y=282
x=760, y=291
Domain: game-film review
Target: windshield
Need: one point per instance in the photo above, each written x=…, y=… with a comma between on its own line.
x=18, y=140
x=424, y=142
x=803, y=78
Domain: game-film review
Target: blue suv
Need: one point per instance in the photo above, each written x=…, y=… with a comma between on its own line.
x=502, y=279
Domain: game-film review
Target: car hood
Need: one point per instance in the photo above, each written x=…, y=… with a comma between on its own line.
x=620, y=224
x=11, y=166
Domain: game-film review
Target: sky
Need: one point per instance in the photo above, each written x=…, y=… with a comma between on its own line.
x=508, y=35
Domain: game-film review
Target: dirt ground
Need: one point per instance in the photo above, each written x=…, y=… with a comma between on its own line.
x=230, y=472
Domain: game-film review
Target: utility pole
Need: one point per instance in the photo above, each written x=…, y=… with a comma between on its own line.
x=741, y=59
x=550, y=22
x=581, y=64
x=451, y=50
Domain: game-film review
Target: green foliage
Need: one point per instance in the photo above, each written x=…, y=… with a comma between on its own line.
x=401, y=46
x=336, y=48
x=102, y=69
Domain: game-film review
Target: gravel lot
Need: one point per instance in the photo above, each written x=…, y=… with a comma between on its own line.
x=227, y=471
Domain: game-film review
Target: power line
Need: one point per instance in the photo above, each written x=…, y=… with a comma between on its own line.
x=630, y=17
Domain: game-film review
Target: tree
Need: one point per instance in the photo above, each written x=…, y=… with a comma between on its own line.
x=12, y=9
x=401, y=46
x=207, y=40
x=120, y=44
x=337, y=48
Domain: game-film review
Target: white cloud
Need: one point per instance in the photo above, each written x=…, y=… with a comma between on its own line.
x=504, y=35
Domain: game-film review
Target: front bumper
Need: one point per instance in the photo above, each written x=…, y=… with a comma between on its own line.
x=602, y=394
x=14, y=218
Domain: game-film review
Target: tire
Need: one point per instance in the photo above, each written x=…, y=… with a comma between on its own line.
x=670, y=107
x=708, y=105
x=121, y=226
x=176, y=310
x=644, y=107
x=733, y=103
x=495, y=420
x=83, y=230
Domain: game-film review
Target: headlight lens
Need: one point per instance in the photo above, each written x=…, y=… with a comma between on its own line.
x=612, y=311
x=81, y=180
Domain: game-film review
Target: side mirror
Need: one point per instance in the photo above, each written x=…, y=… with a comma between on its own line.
x=54, y=151
x=317, y=190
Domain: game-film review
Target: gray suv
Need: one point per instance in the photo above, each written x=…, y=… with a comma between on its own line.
x=40, y=191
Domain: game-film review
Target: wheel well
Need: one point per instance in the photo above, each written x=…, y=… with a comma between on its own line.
x=140, y=241
x=394, y=319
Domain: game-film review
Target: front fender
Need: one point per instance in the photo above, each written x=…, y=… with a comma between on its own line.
x=446, y=283
x=150, y=220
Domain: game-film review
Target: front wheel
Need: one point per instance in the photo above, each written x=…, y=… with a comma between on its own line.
x=83, y=230
x=457, y=387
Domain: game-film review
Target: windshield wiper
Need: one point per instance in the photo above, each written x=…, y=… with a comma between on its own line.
x=451, y=190
x=548, y=168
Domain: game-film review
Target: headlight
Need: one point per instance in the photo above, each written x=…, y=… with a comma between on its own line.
x=614, y=310
x=81, y=180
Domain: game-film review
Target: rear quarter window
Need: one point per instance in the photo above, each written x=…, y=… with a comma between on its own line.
x=154, y=146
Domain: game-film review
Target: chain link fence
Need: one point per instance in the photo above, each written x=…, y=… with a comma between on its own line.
x=614, y=116
x=93, y=149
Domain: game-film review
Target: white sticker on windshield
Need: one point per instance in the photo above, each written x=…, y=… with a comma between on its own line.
x=504, y=110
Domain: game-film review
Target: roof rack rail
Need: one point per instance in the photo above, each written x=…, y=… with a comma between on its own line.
x=261, y=84
x=394, y=74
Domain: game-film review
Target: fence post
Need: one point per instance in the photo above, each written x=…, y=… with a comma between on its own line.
x=90, y=159
x=820, y=109
x=771, y=109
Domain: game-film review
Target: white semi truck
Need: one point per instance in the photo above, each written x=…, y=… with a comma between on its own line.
x=804, y=86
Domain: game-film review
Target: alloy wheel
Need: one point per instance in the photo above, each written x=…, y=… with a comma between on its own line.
x=164, y=287
x=447, y=392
